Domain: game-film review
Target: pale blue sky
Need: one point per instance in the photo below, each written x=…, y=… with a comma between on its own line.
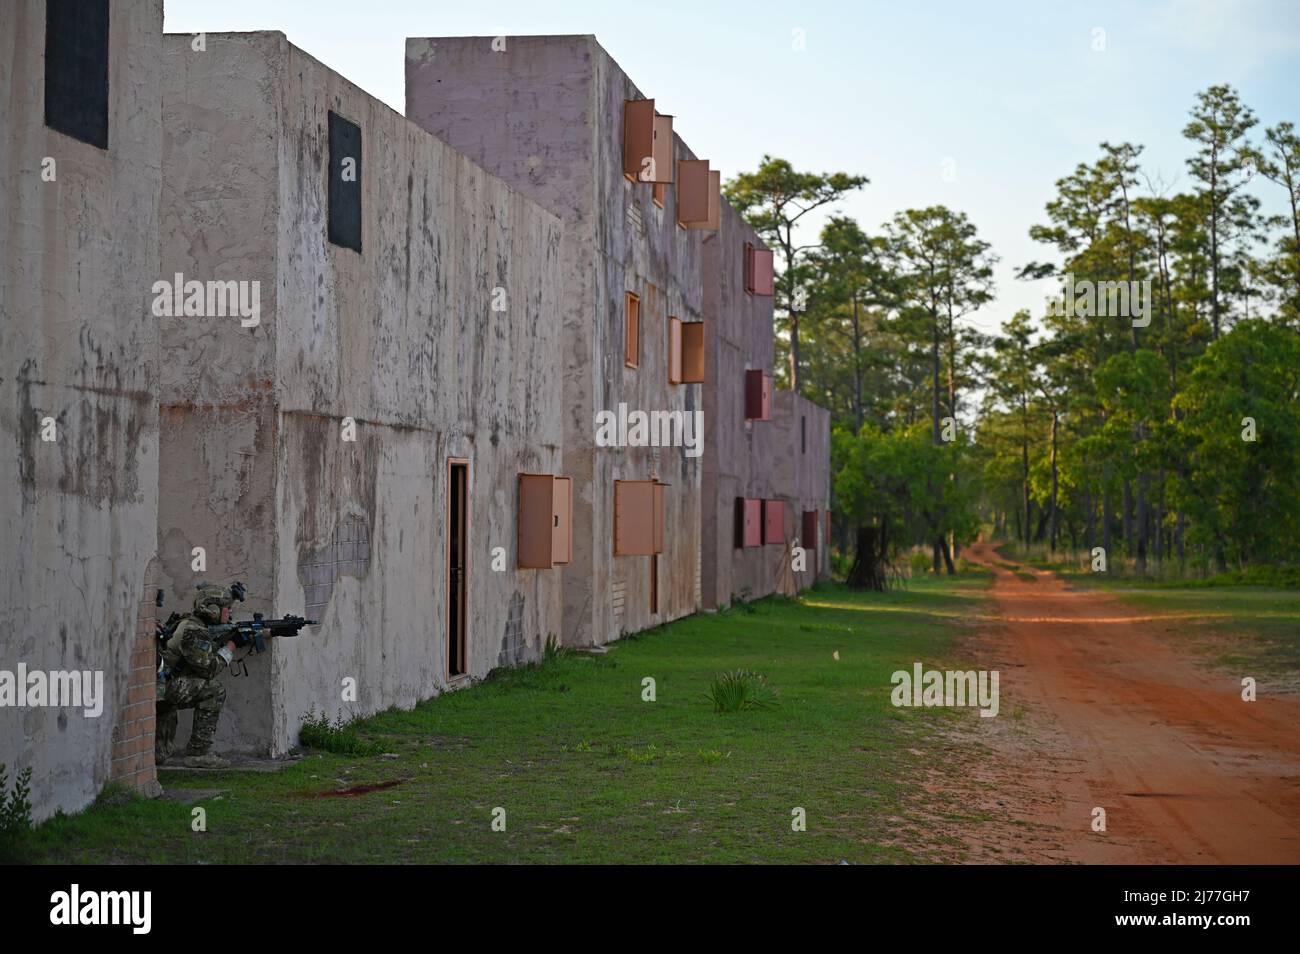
x=1012, y=93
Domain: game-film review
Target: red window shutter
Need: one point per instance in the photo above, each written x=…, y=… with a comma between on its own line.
x=758, y=395
x=674, y=351
x=662, y=152
x=692, y=191
x=638, y=135
x=536, y=509
x=774, y=521
x=693, y=352
x=632, y=331
x=660, y=508
x=634, y=514
x=753, y=523
x=713, y=216
x=762, y=271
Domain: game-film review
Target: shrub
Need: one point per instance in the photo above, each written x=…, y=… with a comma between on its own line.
x=739, y=690
x=553, y=648
x=340, y=736
x=920, y=562
x=15, y=809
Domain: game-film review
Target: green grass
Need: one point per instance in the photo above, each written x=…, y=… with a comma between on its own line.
x=588, y=772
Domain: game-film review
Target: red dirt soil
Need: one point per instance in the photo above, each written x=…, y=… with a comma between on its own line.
x=1118, y=718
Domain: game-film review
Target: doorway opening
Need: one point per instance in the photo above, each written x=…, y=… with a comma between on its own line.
x=457, y=550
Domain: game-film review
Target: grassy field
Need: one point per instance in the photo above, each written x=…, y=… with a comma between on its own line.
x=589, y=772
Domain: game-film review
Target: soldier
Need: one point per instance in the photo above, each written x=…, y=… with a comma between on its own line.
x=192, y=661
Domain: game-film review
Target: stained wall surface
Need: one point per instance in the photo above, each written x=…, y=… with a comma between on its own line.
x=78, y=347
x=738, y=338
x=547, y=115
x=802, y=468
x=398, y=346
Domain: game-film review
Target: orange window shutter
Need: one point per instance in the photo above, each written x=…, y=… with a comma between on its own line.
x=767, y=398
x=562, y=520
x=713, y=204
x=674, y=351
x=660, y=514
x=634, y=512
x=638, y=135
x=692, y=191
x=693, y=352
x=773, y=521
x=535, y=509
x=763, y=271
x=632, y=331
x=662, y=172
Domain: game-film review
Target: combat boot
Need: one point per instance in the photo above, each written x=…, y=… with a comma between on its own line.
x=206, y=761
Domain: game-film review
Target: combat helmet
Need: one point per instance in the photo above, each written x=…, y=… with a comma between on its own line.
x=210, y=601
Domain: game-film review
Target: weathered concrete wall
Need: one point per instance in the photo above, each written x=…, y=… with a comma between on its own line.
x=77, y=344
x=740, y=456
x=802, y=467
x=547, y=115
x=402, y=339
x=525, y=115
x=222, y=112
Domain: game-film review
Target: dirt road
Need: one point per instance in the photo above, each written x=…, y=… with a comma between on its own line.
x=1112, y=715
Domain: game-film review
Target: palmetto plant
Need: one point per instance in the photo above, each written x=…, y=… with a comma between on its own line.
x=739, y=690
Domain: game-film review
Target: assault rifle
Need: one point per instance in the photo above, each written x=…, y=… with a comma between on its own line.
x=254, y=632
x=247, y=633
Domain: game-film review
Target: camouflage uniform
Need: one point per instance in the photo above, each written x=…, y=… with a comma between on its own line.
x=193, y=660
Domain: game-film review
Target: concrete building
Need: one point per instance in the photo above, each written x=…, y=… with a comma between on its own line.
x=547, y=115
x=802, y=469
x=738, y=471
x=80, y=136
x=387, y=372
x=356, y=454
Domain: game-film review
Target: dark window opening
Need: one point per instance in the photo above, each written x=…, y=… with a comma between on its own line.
x=803, y=435
x=345, y=183
x=76, y=69
x=654, y=584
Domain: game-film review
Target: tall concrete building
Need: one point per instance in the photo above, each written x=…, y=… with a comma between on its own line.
x=556, y=117
x=357, y=453
x=80, y=137
x=547, y=114
x=453, y=384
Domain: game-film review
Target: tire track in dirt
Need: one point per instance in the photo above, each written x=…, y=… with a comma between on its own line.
x=1112, y=716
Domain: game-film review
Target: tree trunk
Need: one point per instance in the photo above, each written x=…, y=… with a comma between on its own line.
x=1055, y=420
x=857, y=369
x=947, y=558
x=1127, y=522
x=869, y=568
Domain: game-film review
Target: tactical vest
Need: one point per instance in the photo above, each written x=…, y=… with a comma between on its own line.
x=172, y=658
